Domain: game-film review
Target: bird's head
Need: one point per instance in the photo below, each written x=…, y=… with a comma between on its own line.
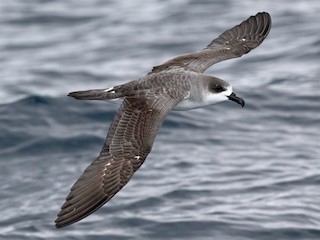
x=219, y=91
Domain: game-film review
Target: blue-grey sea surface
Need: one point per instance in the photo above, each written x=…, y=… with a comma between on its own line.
x=221, y=172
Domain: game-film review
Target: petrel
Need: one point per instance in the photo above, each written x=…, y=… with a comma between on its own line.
x=178, y=84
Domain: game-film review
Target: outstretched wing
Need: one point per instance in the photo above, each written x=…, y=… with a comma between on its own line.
x=127, y=145
x=233, y=43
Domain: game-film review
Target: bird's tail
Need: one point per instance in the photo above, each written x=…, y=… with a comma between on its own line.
x=98, y=94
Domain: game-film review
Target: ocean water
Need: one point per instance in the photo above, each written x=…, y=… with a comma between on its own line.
x=220, y=172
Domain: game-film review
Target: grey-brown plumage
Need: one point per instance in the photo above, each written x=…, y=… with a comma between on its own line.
x=178, y=83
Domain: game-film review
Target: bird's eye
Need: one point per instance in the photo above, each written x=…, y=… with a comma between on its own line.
x=217, y=88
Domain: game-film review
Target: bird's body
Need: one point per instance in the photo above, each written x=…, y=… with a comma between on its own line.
x=178, y=84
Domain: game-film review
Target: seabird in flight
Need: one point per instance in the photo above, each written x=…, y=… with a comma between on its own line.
x=178, y=84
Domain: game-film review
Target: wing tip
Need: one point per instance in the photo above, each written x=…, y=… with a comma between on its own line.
x=265, y=18
x=256, y=25
x=60, y=223
x=63, y=221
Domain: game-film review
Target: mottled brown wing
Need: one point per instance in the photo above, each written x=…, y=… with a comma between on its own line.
x=127, y=145
x=233, y=43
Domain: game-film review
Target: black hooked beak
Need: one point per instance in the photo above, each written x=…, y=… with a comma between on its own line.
x=235, y=98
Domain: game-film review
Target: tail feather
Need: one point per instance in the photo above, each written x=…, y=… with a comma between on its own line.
x=97, y=94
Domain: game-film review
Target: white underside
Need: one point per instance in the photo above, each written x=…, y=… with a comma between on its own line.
x=189, y=103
